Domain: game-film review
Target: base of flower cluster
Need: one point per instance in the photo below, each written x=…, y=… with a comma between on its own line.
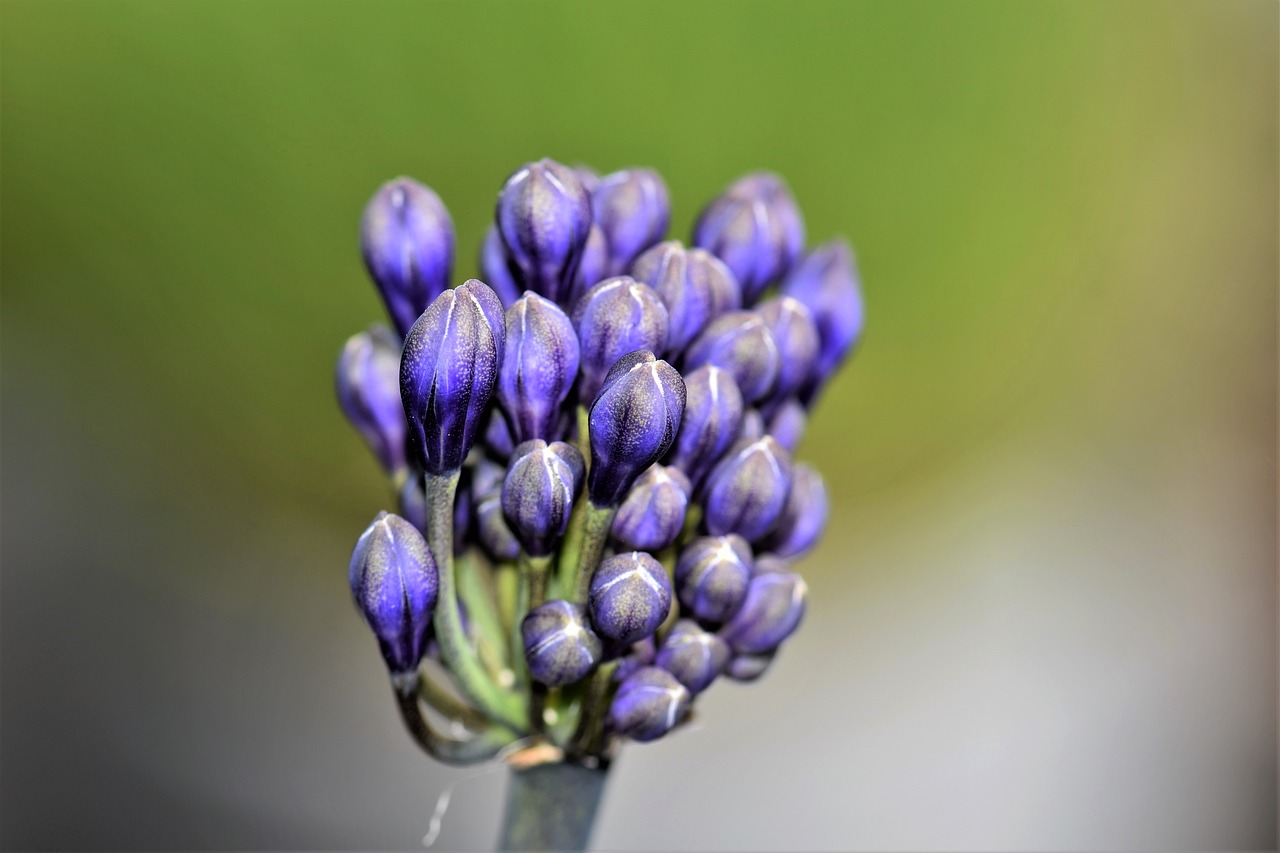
x=552, y=806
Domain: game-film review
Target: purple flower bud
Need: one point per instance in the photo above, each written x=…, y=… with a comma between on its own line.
x=594, y=267
x=787, y=423
x=742, y=344
x=694, y=656
x=368, y=386
x=805, y=516
x=590, y=177
x=486, y=478
x=652, y=515
x=406, y=237
x=543, y=215
x=539, y=366
x=617, y=316
x=796, y=336
x=394, y=581
x=747, y=668
x=632, y=422
x=537, y=496
x=632, y=208
x=495, y=268
x=712, y=420
x=694, y=284
x=753, y=426
x=447, y=373
x=497, y=435
x=771, y=612
x=648, y=704
x=755, y=227
x=712, y=576
x=495, y=535
x=639, y=655
x=559, y=645
x=630, y=597
x=827, y=282
x=747, y=491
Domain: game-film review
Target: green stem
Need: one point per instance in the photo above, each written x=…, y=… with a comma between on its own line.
x=482, y=747
x=552, y=807
x=599, y=522
x=476, y=592
x=448, y=705
x=457, y=654
x=595, y=705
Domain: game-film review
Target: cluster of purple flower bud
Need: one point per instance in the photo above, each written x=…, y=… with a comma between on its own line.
x=592, y=449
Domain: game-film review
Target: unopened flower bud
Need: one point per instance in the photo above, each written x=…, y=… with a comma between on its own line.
x=406, y=237
x=772, y=610
x=493, y=532
x=537, y=496
x=805, y=516
x=632, y=208
x=630, y=597
x=495, y=269
x=639, y=655
x=694, y=284
x=827, y=282
x=540, y=363
x=594, y=267
x=368, y=387
x=796, y=337
x=498, y=442
x=447, y=373
x=787, y=423
x=543, y=215
x=712, y=576
x=753, y=426
x=617, y=316
x=742, y=344
x=748, y=668
x=755, y=227
x=589, y=177
x=711, y=423
x=648, y=704
x=652, y=514
x=559, y=645
x=694, y=656
x=747, y=491
x=394, y=581
x=632, y=422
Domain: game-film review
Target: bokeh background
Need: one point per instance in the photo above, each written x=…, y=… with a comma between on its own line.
x=1044, y=616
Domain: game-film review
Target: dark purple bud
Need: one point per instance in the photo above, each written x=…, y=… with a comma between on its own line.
x=486, y=478
x=495, y=535
x=648, y=704
x=537, y=496
x=394, y=581
x=539, y=366
x=796, y=337
x=617, y=316
x=747, y=491
x=497, y=435
x=630, y=597
x=755, y=227
x=543, y=215
x=787, y=423
x=694, y=656
x=694, y=284
x=711, y=423
x=406, y=237
x=742, y=344
x=747, y=668
x=368, y=387
x=827, y=282
x=652, y=514
x=594, y=267
x=632, y=208
x=771, y=612
x=805, y=516
x=559, y=645
x=640, y=654
x=712, y=576
x=447, y=373
x=495, y=268
x=632, y=422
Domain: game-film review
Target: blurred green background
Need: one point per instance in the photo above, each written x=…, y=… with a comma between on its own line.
x=1045, y=614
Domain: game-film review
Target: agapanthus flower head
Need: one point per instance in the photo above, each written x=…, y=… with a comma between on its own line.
x=448, y=371
x=632, y=422
x=632, y=208
x=694, y=284
x=827, y=282
x=755, y=227
x=694, y=656
x=771, y=612
x=712, y=575
x=793, y=331
x=543, y=216
x=394, y=581
x=648, y=704
x=742, y=344
x=540, y=364
x=368, y=385
x=805, y=515
x=542, y=482
x=630, y=597
x=617, y=316
x=653, y=512
x=407, y=239
x=559, y=645
x=712, y=420
x=747, y=491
